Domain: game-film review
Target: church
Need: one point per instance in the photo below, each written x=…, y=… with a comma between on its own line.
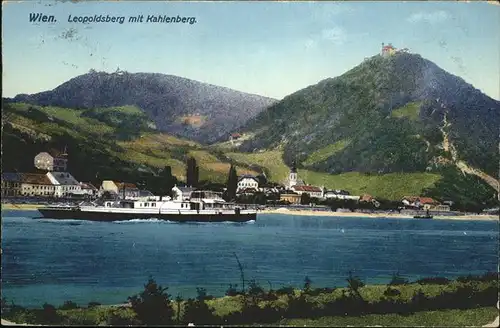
x=293, y=179
x=299, y=187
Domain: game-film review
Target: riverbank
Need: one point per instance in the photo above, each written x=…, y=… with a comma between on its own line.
x=21, y=207
x=372, y=215
x=467, y=301
x=283, y=210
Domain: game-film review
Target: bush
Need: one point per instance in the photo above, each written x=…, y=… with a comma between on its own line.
x=255, y=289
x=197, y=311
x=433, y=281
x=49, y=315
x=153, y=306
x=93, y=305
x=68, y=305
x=389, y=292
x=286, y=290
x=398, y=280
x=232, y=291
x=298, y=307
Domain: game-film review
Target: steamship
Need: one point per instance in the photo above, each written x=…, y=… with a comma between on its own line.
x=202, y=206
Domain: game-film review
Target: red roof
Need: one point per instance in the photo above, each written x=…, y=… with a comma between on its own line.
x=421, y=200
x=366, y=198
x=87, y=185
x=126, y=184
x=35, y=178
x=427, y=200
x=235, y=135
x=306, y=188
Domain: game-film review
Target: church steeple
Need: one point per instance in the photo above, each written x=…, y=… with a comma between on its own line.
x=292, y=177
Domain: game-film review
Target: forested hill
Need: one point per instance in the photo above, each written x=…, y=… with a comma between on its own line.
x=180, y=106
x=397, y=114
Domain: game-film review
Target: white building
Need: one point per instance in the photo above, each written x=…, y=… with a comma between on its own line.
x=247, y=182
x=64, y=184
x=336, y=195
x=35, y=184
x=182, y=193
x=120, y=189
x=313, y=191
x=88, y=189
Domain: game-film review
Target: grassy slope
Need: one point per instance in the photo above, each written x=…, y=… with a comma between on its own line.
x=389, y=186
x=449, y=318
x=150, y=148
x=325, y=152
x=410, y=111
x=371, y=293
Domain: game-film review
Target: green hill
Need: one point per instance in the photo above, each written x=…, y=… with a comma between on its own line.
x=112, y=143
x=385, y=115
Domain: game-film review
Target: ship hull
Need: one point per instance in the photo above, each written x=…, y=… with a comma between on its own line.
x=77, y=214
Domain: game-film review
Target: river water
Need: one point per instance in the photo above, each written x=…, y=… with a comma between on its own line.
x=52, y=261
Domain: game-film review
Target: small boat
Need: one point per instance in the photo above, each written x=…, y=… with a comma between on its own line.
x=203, y=206
x=427, y=215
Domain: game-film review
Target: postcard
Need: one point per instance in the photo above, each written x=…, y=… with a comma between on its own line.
x=192, y=163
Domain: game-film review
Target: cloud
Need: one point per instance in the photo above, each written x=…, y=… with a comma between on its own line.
x=334, y=35
x=429, y=17
x=337, y=35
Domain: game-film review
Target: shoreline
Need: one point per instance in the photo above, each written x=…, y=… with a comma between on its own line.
x=482, y=217
x=285, y=211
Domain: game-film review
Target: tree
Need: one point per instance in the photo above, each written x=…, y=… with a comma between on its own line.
x=197, y=310
x=305, y=199
x=153, y=306
x=192, y=172
x=354, y=284
x=232, y=183
x=307, y=284
x=167, y=180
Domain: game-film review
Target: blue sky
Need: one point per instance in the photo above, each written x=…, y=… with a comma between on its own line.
x=268, y=48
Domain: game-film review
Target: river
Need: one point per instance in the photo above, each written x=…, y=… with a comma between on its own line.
x=52, y=261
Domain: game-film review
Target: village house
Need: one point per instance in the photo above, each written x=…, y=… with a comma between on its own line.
x=64, y=184
x=88, y=189
x=291, y=198
x=121, y=189
x=53, y=161
x=36, y=184
x=247, y=182
x=425, y=203
x=367, y=198
x=340, y=194
x=182, y=193
x=311, y=190
x=11, y=184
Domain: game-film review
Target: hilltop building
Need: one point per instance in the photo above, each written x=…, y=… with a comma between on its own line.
x=51, y=161
x=389, y=50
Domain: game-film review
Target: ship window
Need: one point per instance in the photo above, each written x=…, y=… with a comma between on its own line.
x=146, y=204
x=153, y=204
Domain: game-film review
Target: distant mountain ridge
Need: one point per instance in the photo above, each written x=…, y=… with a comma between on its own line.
x=385, y=115
x=180, y=106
